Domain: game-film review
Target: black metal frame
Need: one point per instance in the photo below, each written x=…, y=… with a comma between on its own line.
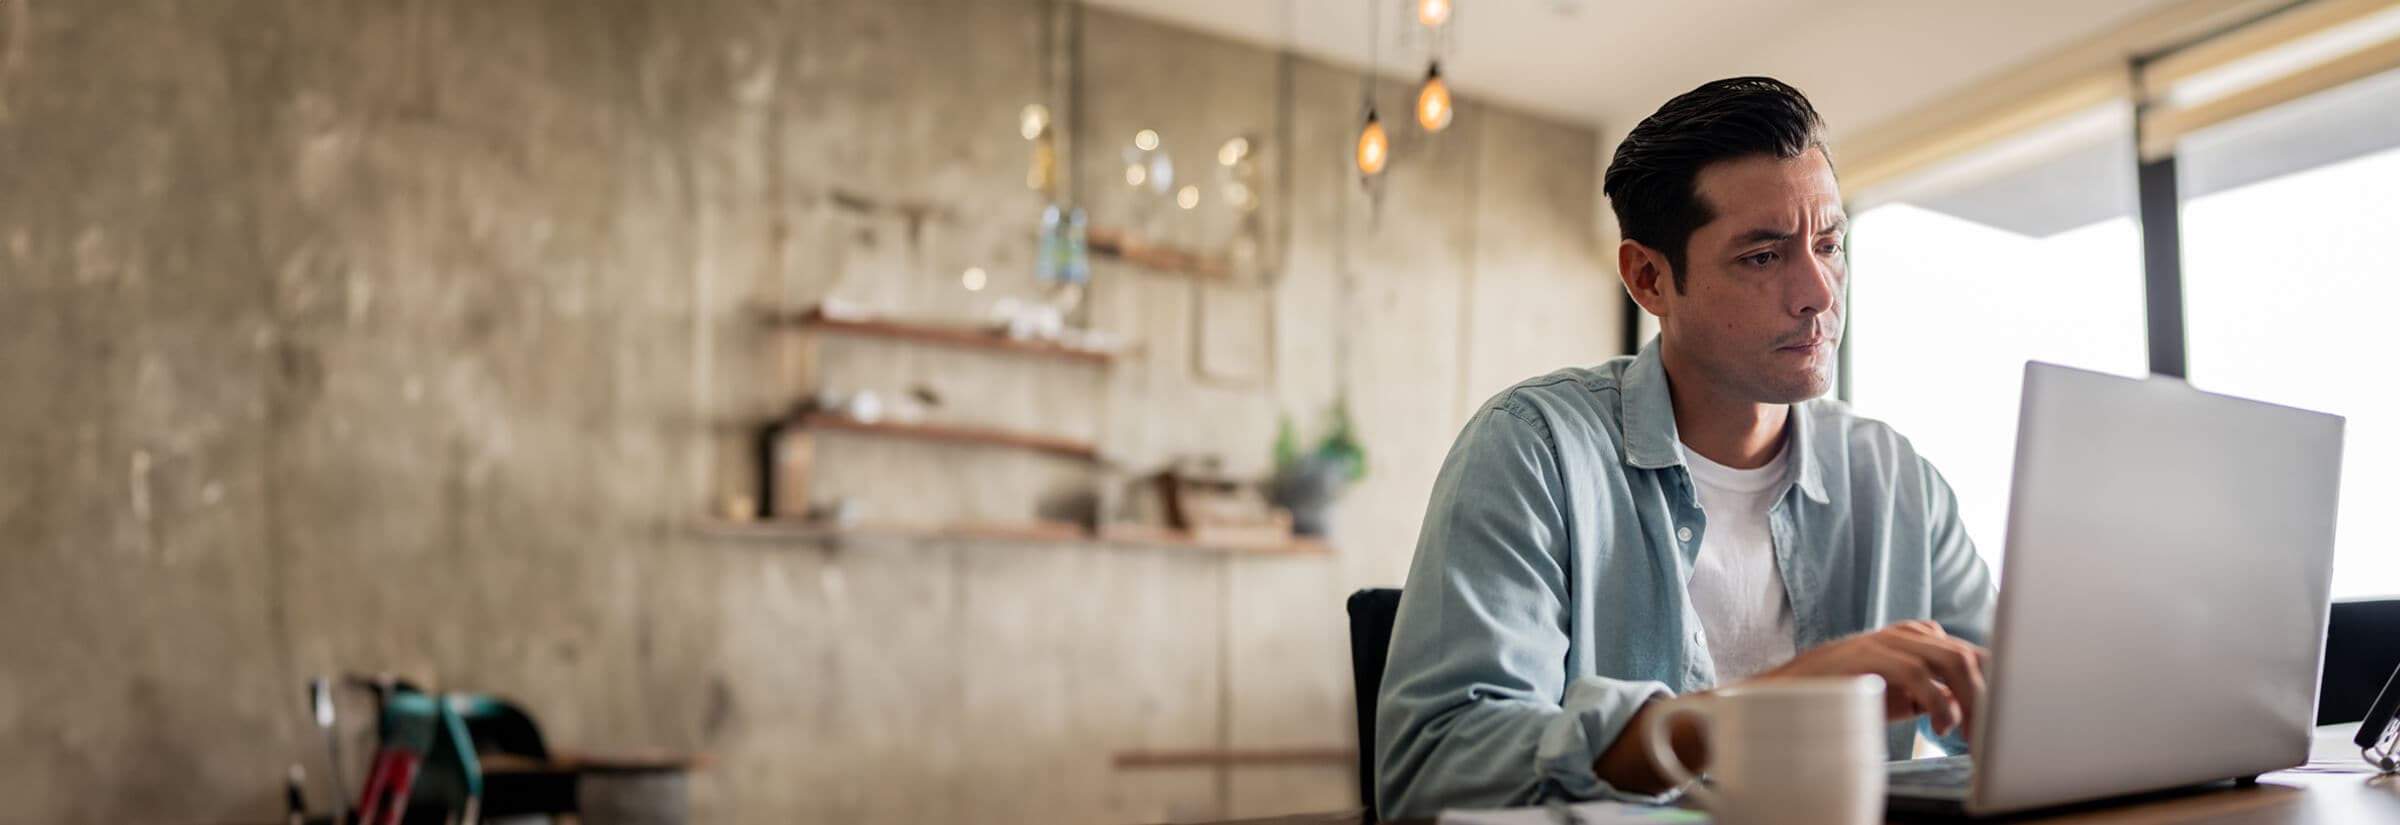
x=2161, y=222
x=2159, y=208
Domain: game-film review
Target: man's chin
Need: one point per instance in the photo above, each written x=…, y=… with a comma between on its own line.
x=1795, y=389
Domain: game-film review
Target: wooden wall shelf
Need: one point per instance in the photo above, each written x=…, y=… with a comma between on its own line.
x=954, y=434
x=794, y=529
x=1028, y=533
x=1169, y=537
x=949, y=335
x=1125, y=246
x=1233, y=757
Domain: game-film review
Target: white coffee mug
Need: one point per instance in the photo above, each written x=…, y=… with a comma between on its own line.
x=1794, y=752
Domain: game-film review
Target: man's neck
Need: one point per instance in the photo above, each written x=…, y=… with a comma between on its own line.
x=1741, y=434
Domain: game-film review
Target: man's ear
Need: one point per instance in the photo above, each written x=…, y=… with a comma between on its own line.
x=1646, y=275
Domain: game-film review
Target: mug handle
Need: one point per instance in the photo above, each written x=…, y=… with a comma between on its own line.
x=1662, y=746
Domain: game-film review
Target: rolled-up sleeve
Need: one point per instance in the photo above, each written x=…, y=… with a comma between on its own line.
x=1476, y=707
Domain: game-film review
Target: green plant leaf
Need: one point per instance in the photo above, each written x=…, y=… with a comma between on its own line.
x=1287, y=443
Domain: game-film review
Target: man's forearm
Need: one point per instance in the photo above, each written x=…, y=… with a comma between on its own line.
x=1626, y=765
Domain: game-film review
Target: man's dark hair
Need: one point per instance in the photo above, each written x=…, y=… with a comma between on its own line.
x=1651, y=182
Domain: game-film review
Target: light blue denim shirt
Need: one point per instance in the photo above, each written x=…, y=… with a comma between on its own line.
x=1547, y=601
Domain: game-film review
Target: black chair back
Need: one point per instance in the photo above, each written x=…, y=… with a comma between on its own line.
x=1371, y=613
x=2362, y=646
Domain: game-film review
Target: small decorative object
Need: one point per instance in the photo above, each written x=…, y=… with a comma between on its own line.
x=1034, y=124
x=1063, y=263
x=1076, y=505
x=784, y=453
x=836, y=309
x=840, y=513
x=915, y=405
x=1197, y=493
x=1238, y=175
x=865, y=407
x=1028, y=320
x=826, y=399
x=1195, y=498
x=1064, y=258
x=1076, y=269
x=1308, y=483
x=1162, y=173
x=740, y=508
x=1049, y=260
x=1146, y=165
x=1033, y=120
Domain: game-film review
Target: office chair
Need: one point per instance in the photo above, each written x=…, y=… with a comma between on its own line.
x=2362, y=646
x=1371, y=613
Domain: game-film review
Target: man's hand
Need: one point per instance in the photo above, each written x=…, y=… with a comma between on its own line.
x=1626, y=764
x=1924, y=670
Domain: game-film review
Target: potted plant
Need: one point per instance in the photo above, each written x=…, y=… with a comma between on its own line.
x=1309, y=481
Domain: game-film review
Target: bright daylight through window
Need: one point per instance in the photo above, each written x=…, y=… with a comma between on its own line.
x=1958, y=276
x=2028, y=250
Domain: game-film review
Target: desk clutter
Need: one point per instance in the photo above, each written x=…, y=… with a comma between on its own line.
x=463, y=758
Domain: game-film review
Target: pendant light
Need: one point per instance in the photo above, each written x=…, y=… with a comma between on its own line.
x=1433, y=100
x=1374, y=147
x=1374, y=144
x=1433, y=13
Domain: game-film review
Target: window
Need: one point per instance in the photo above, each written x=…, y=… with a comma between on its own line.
x=1959, y=275
x=1972, y=255
x=2290, y=280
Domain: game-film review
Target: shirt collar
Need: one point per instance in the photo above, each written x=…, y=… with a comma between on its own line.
x=1651, y=441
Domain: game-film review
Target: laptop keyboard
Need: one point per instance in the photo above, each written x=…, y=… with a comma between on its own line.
x=1945, y=772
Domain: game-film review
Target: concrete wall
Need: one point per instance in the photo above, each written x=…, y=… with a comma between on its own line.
x=420, y=335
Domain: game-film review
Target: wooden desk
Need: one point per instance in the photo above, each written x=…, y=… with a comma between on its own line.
x=2309, y=795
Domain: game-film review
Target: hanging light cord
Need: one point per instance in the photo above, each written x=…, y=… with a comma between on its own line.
x=1374, y=51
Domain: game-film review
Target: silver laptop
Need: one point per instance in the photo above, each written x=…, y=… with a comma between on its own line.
x=2162, y=601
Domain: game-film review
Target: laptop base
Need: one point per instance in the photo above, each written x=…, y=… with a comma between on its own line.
x=1916, y=806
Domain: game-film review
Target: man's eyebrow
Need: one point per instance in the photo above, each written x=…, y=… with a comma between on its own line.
x=1765, y=234
x=1761, y=234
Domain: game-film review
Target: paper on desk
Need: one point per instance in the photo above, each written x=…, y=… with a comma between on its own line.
x=1588, y=813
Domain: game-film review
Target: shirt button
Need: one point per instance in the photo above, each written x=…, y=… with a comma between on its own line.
x=1684, y=534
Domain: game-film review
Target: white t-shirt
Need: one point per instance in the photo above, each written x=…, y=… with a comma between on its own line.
x=1736, y=586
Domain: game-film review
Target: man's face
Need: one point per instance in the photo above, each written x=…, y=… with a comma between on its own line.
x=1761, y=311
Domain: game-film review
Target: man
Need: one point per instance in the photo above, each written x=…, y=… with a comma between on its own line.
x=1695, y=515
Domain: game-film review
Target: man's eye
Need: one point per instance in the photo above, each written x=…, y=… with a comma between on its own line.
x=1760, y=259
x=1830, y=249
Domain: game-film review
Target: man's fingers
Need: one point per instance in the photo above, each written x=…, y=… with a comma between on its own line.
x=1956, y=663
x=1910, y=676
x=1897, y=707
x=1920, y=627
